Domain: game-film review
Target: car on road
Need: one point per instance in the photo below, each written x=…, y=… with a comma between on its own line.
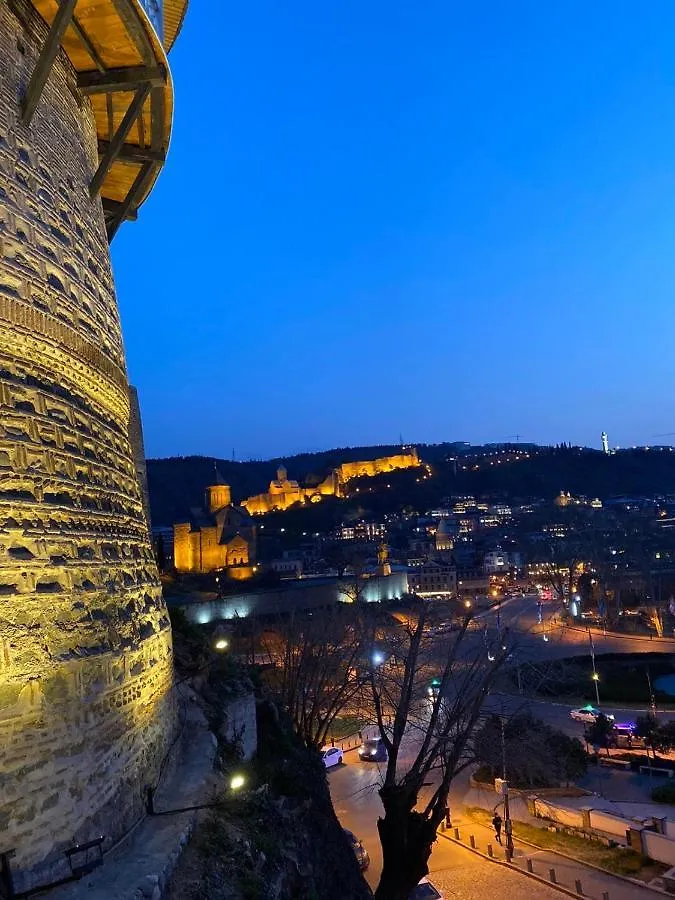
x=425, y=890
x=373, y=750
x=360, y=851
x=588, y=714
x=331, y=756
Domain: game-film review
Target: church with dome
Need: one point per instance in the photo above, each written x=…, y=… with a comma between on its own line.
x=220, y=537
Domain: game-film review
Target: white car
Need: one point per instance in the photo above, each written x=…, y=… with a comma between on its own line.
x=331, y=756
x=588, y=714
x=425, y=890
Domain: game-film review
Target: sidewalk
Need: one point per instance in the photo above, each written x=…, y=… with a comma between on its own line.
x=142, y=864
x=594, y=883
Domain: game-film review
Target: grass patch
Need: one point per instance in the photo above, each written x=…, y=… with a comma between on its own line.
x=619, y=860
x=623, y=677
x=344, y=726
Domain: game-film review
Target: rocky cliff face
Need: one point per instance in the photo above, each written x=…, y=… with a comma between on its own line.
x=280, y=840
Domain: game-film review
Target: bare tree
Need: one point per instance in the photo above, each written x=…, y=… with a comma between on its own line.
x=436, y=726
x=318, y=668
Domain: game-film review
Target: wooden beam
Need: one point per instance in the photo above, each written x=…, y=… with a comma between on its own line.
x=127, y=205
x=86, y=41
x=128, y=79
x=117, y=139
x=46, y=59
x=111, y=210
x=158, y=113
x=135, y=29
x=132, y=153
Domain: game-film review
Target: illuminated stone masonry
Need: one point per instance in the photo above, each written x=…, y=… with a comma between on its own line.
x=86, y=707
x=284, y=493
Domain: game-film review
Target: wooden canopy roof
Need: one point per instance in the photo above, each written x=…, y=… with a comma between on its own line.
x=174, y=13
x=122, y=66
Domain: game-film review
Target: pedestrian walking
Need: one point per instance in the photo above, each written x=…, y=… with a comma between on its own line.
x=497, y=825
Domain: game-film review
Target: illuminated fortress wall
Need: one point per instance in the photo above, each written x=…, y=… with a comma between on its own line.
x=284, y=493
x=86, y=710
x=372, y=467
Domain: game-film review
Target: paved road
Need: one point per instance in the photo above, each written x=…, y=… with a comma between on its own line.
x=462, y=875
x=548, y=639
x=593, y=883
x=354, y=785
x=453, y=868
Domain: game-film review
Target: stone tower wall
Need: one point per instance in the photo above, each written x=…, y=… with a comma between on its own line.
x=138, y=449
x=86, y=706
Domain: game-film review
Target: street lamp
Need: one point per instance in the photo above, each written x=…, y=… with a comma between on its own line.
x=508, y=828
x=237, y=782
x=595, y=677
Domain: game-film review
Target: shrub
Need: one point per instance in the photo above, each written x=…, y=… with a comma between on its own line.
x=665, y=793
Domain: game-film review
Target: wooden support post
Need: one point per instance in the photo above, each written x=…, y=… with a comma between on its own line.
x=472, y=841
x=457, y=834
x=551, y=876
x=577, y=886
x=131, y=153
x=127, y=79
x=117, y=140
x=126, y=205
x=489, y=850
x=46, y=60
x=530, y=867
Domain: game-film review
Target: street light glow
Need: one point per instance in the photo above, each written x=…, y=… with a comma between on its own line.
x=222, y=644
x=237, y=782
x=378, y=658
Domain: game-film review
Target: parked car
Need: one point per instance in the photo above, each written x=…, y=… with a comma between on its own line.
x=360, y=851
x=623, y=736
x=373, y=750
x=331, y=756
x=425, y=890
x=588, y=714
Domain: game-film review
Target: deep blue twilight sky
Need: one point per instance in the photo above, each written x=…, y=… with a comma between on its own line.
x=444, y=220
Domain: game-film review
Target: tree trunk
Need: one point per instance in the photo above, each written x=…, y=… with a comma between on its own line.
x=406, y=837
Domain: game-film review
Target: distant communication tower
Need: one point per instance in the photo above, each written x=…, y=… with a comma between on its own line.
x=605, y=443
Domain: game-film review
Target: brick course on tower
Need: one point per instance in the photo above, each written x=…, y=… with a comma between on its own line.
x=87, y=711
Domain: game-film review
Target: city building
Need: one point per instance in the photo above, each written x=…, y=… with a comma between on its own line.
x=292, y=595
x=86, y=674
x=605, y=442
x=433, y=578
x=287, y=567
x=472, y=583
x=497, y=561
x=222, y=537
x=564, y=498
x=361, y=531
x=444, y=539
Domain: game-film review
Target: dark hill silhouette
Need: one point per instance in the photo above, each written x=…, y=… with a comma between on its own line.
x=178, y=483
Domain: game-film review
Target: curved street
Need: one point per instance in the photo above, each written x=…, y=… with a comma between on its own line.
x=457, y=869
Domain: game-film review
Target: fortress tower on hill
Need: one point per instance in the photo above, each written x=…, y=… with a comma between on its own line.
x=283, y=492
x=86, y=706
